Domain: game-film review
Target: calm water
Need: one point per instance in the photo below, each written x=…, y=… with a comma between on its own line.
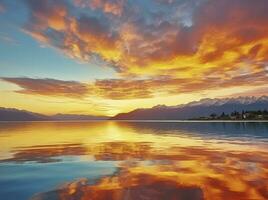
x=133, y=161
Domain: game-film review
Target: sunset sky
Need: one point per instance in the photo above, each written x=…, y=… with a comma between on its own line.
x=103, y=57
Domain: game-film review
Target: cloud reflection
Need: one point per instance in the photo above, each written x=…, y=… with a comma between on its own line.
x=146, y=172
x=180, y=163
x=179, y=173
x=46, y=153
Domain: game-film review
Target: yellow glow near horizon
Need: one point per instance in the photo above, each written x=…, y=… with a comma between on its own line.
x=102, y=106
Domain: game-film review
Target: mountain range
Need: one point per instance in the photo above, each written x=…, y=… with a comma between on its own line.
x=191, y=110
x=196, y=109
x=11, y=114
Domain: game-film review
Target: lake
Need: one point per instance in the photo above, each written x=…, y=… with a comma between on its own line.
x=109, y=160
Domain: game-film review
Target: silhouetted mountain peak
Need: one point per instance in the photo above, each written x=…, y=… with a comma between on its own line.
x=221, y=101
x=160, y=106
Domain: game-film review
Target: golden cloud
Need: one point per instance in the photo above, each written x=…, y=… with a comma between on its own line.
x=223, y=46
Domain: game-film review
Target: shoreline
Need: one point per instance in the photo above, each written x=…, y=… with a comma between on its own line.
x=152, y=121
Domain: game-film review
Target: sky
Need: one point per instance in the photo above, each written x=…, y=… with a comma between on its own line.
x=104, y=57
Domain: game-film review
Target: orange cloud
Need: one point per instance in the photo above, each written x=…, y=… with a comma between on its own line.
x=123, y=89
x=84, y=38
x=112, y=7
x=48, y=14
x=224, y=37
x=109, y=89
x=154, y=50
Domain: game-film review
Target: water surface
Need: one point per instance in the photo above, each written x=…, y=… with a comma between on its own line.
x=133, y=160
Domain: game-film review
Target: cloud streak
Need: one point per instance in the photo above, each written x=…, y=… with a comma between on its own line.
x=121, y=89
x=49, y=87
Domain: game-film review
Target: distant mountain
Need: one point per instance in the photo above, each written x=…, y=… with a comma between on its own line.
x=11, y=114
x=196, y=109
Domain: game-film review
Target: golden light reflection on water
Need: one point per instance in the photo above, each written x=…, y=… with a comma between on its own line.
x=155, y=161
